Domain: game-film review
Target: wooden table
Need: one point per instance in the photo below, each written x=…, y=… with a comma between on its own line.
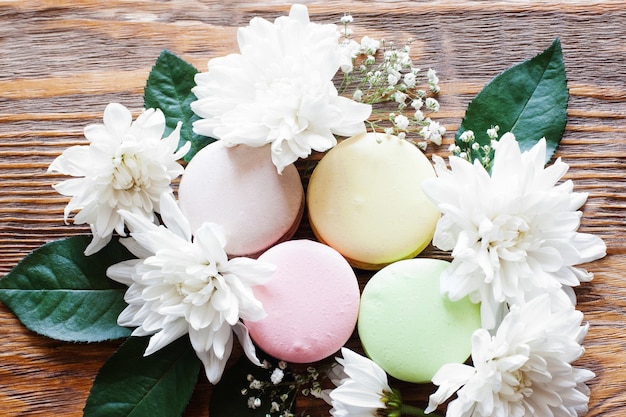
x=62, y=61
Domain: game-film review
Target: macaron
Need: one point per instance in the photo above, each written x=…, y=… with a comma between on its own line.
x=407, y=327
x=365, y=199
x=311, y=301
x=239, y=188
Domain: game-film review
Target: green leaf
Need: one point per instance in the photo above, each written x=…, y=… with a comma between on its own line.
x=528, y=100
x=169, y=89
x=59, y=292
x=227, y=399
x=132, y=385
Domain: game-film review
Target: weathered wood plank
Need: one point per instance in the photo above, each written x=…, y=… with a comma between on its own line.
x=62, y=61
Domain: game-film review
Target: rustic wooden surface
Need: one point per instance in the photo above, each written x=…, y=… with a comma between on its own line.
x=62, y=61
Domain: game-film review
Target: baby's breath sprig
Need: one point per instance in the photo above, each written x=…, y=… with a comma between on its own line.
x=470, y=149
x=281, y=388
x=391, y=81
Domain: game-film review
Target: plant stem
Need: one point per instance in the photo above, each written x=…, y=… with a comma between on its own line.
x=409, y=410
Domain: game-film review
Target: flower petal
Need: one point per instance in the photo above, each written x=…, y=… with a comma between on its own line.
x=173, y=217
x=117, y=119
x=166, y=336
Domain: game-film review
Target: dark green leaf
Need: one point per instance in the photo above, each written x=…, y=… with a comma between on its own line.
x=528, y=99
x=132, y=385
x=59, y=292
x=169, y=89
x=227, y=399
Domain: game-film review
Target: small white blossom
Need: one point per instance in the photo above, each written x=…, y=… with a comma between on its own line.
x=346, y=18
x=513, y=234
x=433, y=80
x=357, y=95
x=182, y=285
x=126, y=166
x=317, y=392
x=277, y=376
x=467, y=136
x=432, y=104
x=432, y=76
x=422, y=145
x=254, y=403
x=524, y=370
x=393, y=78
x=409, y=79
x=369, y=46
x=417, y=104
x=401, y=122
x=361, y=386
x=399, y=97
x=419, y=115
x=255, y=384
x=493, y=132
x=279, y=90
x=433, y=132
x=403, y=58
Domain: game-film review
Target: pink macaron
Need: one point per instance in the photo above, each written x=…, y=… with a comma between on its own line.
x=311, y=301
x=239, y=188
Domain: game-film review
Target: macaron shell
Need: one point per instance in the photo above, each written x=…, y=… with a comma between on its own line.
x=365, y=199
x=408, y=328
x=311, y=301
x=239, y=189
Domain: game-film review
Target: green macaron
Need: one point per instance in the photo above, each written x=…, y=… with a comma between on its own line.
x=408, y=327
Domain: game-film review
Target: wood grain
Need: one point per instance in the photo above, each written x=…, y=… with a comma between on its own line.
x=62, y=61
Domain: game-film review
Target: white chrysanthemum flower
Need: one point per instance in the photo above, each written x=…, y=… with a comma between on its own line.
x=524, y=370
x=126, y=166
x=181, y=285
x=279, y=90
x=361, y=387
x=513, y=234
